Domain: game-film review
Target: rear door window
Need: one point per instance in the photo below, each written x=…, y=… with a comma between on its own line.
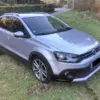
x=6, y=23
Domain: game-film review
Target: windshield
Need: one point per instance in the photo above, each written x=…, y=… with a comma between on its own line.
x=42, y=25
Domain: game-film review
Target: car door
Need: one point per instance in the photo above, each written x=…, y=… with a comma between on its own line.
x=19, y=45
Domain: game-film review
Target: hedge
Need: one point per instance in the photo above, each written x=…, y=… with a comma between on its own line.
x=3, y=4
x=27, y=8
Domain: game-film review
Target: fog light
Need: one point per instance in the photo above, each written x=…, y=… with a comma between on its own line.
x=68, y=75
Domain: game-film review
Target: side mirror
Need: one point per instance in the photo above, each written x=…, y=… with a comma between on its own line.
x=19, y=34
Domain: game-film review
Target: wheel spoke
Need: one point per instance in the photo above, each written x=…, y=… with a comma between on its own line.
x=37, y=72
x=44, y=73
x=35, y=69
x=39, y=62
x=36, y=64
x=41, y=76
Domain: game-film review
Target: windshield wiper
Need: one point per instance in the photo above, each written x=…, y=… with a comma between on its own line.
x=58, y=30
x=46, y=33
x=64, y=29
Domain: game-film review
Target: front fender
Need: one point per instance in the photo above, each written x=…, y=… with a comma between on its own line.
x=48, y=55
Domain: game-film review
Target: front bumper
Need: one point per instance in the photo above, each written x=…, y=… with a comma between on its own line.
x=86, y=75
x=79, y=75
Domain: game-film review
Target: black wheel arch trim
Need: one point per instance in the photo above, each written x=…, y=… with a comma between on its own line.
x=35, y=53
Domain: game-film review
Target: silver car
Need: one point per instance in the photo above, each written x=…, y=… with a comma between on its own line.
x=51, y=47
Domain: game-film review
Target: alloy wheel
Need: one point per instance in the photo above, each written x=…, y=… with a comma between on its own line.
x=39, y=69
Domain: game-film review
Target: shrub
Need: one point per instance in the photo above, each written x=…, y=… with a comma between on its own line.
x=27, y=8
x=3, y=4
x=48, y=8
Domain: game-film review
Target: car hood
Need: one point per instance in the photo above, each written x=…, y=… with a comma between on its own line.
x=72, y=41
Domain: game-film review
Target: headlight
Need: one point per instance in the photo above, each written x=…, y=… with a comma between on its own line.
x=66, y=57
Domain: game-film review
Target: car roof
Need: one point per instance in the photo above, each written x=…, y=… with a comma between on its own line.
x=24, y=15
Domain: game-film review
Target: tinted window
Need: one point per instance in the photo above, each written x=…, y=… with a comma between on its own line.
x=18, y=26
x=12, y=24
x=44, y=24
x=6, y=23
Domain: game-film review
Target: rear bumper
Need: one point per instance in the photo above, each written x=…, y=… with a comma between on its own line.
x=87, y=75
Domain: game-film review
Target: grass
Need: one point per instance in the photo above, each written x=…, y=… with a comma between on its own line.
x=18, y=83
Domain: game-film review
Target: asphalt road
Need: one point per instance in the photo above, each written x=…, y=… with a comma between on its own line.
x=60, y=10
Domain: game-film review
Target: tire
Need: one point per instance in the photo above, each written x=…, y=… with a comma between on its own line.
x=41, y=69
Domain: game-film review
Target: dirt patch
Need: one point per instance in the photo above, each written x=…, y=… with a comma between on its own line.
x=38, y=89
x=91, y=91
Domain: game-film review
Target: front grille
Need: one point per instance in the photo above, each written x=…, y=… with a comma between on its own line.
x=90, y=53
x=98, y=49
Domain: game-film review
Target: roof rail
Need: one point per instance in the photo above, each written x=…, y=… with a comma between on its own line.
x=11, y=14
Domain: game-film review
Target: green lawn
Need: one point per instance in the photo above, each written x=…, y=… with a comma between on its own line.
x=18, y=83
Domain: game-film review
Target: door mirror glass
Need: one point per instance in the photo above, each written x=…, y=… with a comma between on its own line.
x=19, y=34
